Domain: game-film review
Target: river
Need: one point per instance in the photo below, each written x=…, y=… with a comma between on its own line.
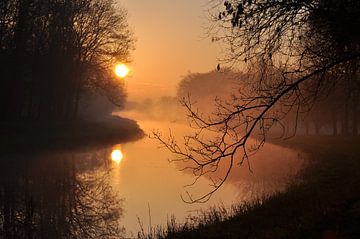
x=84, y=193
x=152, y=186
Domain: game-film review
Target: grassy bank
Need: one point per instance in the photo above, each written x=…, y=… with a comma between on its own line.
x=23, y=137
x=324, y=203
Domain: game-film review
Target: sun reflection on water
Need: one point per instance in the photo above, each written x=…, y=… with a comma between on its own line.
x=117, y=156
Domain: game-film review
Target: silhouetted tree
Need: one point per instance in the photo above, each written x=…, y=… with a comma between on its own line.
x=51, y=51
x=205, y=87
x=296, y=51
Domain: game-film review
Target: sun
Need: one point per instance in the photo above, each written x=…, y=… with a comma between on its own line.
x=117, y=156
x=121, y=70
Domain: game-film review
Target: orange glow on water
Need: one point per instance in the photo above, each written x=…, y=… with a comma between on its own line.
x=117, y=156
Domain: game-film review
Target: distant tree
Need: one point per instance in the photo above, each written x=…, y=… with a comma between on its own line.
x=209, y=85
x=296, y=52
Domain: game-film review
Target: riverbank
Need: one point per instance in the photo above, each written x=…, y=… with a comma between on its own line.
x=24, y=137
x=324, y=201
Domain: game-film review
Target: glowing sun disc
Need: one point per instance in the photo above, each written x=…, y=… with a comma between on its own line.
x=117, y=155
x=121, y=70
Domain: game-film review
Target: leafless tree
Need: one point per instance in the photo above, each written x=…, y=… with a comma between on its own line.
x=291, y=49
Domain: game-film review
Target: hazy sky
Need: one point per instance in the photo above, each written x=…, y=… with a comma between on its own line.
x=170, y=43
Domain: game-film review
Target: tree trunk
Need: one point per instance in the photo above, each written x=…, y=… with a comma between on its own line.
x=345, y=120
x=334, y=121
x=307, y=127
x=355, y=99
x=317, y=128
x=355, y=117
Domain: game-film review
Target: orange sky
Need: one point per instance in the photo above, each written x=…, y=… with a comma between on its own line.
x=170, y=43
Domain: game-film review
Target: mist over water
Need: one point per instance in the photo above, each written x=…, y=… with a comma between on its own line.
x=152, y=186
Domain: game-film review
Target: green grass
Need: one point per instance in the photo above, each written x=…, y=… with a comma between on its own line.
x=323, y=203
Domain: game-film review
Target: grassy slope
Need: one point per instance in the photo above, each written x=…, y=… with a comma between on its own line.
x=326, y=204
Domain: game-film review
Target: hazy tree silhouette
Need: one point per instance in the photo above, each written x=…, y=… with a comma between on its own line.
x=204, y=87
x=51, y=51
x=296, y=52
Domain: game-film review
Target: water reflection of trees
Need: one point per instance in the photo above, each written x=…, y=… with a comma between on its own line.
x=58, y=196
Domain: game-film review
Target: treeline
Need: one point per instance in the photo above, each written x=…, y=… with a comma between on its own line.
x=336, y=114
x=209, y=84
x=204, y=89
x=52, y=51
x=335, y=111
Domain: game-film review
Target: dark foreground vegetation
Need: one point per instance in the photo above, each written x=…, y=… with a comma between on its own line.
x=324, y=201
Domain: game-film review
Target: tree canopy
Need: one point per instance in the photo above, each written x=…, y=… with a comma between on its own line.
x=51, y=51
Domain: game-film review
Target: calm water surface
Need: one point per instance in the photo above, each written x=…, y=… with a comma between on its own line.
x=149, y=183
x=86, y=194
